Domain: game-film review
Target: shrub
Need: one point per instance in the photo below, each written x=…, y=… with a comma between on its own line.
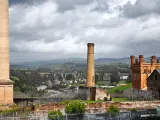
x=133, y=109
x=113, y=110
x=36, y=106
x=75, y=107
x=55, y=115
x=13, y=110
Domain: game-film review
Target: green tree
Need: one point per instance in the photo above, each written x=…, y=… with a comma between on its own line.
x=69, y=77
x=55, y=115
x=75, y=107
x=15, y=79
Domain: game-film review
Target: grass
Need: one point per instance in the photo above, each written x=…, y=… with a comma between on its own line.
x=86, y=101
x=98, y=101
x=121, y=100
x=101, y=82
x=120, y=88
x=77, y=85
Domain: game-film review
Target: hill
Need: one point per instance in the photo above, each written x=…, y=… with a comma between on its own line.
x=80, y=61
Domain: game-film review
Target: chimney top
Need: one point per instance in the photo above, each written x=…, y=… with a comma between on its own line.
x=90, y=44
x=140, y=56
x=132, y=56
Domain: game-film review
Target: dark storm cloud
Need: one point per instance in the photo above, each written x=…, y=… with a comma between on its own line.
x=147, y=48
x=22, y=2
x=141, y=8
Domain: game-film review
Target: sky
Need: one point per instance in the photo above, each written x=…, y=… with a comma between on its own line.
x=53, y=29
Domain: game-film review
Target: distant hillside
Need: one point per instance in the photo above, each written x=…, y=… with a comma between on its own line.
x=112, y=60
x=98, y=61
x=69, y=60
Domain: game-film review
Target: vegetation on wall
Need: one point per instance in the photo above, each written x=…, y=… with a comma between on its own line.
x=55, y=115
x=113, y=110
x=75, y=107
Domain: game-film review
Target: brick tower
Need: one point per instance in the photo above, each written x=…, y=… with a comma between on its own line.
x=90, y=66
x=141, y=70
x=6, y=86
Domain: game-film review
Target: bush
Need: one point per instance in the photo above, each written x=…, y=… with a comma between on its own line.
x=133, y=109
x=113, y=110
x=13, y=110
x=55, y=115
x=36, y=106
x=75, y=107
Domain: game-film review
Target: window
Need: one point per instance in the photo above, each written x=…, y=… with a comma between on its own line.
x=155, y=77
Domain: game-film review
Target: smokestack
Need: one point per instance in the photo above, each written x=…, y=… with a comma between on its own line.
x=6, y=86
x=90, y=66
x=4, y=42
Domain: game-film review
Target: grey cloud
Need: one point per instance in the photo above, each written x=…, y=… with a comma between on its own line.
x=65, y=5
x=41, y=32
x=147, y=48
x=141, y=8
x=102, y=6
x=25, y=2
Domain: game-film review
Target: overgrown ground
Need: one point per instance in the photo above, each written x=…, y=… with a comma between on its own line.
x=86, y=101
x=120, y=88
x=121, y=100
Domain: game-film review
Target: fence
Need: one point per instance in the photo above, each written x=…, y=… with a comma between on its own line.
x=43, y=115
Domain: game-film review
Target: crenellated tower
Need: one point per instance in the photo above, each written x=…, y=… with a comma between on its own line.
x=141, y=70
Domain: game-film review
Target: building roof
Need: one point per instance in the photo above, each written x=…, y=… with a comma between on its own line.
x=156, y=70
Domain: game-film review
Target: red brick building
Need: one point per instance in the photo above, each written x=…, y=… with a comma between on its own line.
x=141, y=70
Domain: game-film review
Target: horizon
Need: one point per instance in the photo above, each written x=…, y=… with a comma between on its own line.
x=67, y=58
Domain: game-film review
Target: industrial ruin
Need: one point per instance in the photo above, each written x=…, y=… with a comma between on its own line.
x=94, y=93
x=141, y=70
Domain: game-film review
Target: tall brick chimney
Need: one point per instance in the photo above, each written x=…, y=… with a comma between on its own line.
x=6, y=86
x=90, y=66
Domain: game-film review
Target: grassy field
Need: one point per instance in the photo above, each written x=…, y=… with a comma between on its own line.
x=102, y=82
x=86, y=101
x=98, y=101
x=77, y=85
x=121, y=100
x=120, y=88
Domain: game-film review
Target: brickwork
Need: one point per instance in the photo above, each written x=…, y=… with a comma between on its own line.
x=141, y=70
x=90, y=66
